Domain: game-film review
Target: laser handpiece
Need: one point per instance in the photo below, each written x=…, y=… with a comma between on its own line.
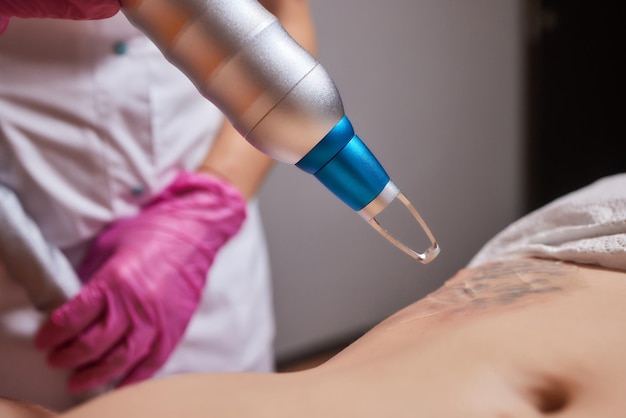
x=275, y=94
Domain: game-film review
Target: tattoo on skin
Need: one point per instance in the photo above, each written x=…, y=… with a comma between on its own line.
x=497, y=284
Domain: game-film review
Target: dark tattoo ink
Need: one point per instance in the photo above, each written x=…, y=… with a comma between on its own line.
x=498, y=284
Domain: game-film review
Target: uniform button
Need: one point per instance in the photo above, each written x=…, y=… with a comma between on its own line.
x=120, y=48
x=137, y=190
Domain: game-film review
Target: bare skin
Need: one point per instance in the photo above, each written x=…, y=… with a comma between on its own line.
x=10, y=408
x=523, y=338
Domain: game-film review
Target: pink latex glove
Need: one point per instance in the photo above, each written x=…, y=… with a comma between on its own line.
x=146, y=276
x=4, y=23
x=59, y=9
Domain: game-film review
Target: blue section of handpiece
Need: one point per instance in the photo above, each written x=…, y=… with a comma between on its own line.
x=343, y=163
x=328, y=147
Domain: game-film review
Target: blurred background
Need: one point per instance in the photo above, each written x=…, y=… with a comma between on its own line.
x=479, y=110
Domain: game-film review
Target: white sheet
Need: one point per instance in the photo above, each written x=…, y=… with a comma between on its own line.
x=586, y=226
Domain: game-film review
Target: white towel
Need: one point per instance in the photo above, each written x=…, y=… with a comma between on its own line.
x=587, y=226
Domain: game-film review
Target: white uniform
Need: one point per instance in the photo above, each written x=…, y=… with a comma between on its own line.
x=93, y=123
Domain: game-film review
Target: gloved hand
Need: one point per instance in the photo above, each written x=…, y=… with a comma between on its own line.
x=145, y=277
x=59, y=9
x=4, y=23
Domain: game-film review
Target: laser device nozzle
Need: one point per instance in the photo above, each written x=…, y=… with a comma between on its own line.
x=344, y=164
x=424, y=257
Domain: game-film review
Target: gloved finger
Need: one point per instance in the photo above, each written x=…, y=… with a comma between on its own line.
x=142, y=372
x=147, y=367
x=95, y=341
x=93, y=9
x=4, y=23
x=67, y=321
x=114, y=364
x=65, y=9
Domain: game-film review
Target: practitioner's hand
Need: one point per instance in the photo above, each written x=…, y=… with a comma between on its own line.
x=4, y=23
x=58, y=9
x=145, y=277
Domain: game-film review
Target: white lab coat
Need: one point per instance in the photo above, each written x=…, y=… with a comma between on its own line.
x=93, y=123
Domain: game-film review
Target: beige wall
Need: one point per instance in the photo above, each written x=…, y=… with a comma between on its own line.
x=434, y=89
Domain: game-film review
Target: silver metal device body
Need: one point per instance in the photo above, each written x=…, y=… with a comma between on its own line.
x=241, y=58
x=272, y=90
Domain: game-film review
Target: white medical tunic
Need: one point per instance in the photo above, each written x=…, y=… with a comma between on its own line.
x=93, y=123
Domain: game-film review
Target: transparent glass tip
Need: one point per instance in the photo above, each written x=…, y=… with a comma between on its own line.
x=423, y=257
